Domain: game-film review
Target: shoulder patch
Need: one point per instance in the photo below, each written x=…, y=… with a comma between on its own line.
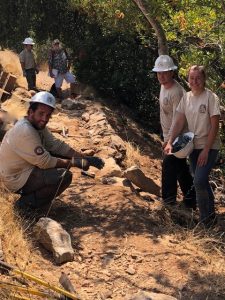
x=39, y=150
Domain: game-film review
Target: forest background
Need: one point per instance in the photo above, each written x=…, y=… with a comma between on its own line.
x=114, y=47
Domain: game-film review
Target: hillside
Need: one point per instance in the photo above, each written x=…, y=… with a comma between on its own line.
x=124, y=240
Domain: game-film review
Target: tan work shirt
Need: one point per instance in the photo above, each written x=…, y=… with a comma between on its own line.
x=27, y=57
x=23, y=147
x=169, y=100
x=198, y=110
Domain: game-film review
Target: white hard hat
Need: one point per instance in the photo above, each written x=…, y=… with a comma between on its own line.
x=44, y=98
x=188, y=145
x=28, y=41
x=164, y=63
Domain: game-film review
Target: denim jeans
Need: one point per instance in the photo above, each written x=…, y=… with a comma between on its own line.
x=204, y=193
x=175, y=170
x=41, y=186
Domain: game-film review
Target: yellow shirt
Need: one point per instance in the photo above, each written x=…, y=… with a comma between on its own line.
x=198, y=110
x=23, y=147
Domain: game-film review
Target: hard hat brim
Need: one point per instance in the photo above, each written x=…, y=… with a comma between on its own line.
x=164, y=70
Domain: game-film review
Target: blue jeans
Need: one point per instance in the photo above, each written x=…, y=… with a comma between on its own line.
x=204, y=193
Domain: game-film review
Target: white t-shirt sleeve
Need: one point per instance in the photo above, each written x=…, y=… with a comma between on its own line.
x=214, y=105
x=181, y=105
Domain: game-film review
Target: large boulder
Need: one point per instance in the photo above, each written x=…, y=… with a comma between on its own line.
x=146, y=184
x=55, y=239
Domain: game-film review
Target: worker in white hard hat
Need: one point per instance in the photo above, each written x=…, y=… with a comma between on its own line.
x=200, y=108
x=59, y=64
x=174, y=170
x=28, y=63
x=30, y=157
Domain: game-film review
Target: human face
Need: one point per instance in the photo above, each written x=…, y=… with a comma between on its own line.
x=165, y=78
x=196, y=81
x=40, y=117
x=56, y=46
x=29, y=47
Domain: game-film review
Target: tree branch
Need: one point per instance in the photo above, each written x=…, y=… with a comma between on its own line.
x=162, y=41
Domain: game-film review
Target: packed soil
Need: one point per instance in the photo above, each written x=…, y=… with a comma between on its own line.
x=124, y=240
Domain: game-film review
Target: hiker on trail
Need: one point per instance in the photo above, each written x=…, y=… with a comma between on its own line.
x=28, y=64
x=59, y=68
x=200, y=107
x=34, y=163
x=173, y=169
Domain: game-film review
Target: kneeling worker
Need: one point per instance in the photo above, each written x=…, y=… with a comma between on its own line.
x=28, y=154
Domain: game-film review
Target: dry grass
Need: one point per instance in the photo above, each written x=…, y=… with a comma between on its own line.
x=133, y=155
x=15, y=241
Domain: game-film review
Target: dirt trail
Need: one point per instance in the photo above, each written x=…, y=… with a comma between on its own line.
x=124, y=242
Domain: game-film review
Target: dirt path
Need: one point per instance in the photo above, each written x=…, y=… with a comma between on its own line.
x=126, y=242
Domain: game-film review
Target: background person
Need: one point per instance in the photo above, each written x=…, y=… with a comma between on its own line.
x=28, y=64
x=29, y=155
x=174, y=170
x=200, y=107
x=59, y=68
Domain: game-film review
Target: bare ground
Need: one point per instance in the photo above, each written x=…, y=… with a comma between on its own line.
x=123, y=242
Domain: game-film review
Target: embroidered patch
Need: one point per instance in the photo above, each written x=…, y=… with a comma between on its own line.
x=39, y=150
x=165, y=101
x=202, y=109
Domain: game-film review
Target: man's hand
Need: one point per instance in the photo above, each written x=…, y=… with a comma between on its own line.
x=24, y=73
x=37, y=70
x=95, y=161
x=168, y=148
x=87, y=161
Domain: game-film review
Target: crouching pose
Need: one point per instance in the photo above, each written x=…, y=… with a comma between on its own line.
x=29, y=155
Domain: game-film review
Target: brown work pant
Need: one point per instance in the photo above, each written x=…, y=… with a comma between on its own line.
x=42, y=186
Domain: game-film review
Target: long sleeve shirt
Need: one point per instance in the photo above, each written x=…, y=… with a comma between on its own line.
x=23, y=148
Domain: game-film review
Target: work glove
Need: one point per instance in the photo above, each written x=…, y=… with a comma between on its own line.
x=95, y=161
x=36, y=70
x=87, y=161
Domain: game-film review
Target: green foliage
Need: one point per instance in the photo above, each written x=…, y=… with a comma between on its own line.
x=114, y=47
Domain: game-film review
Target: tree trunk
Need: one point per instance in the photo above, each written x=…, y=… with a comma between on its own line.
x=162, y=42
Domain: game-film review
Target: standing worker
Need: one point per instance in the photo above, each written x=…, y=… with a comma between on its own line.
x=200, y=108
x=28, y=64
x=173, y=169
x=59, y=68
x=29, y=155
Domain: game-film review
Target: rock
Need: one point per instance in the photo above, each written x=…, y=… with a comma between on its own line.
x=111, y=169
x=71, y=104
x=106, y=295
x=1, y=252
x=55, y=239
x=131, y=270
x=85, y=116
x=116, y=181
x=136, y=176
x=118, y=144
x=150, y=296
x=88, y=152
